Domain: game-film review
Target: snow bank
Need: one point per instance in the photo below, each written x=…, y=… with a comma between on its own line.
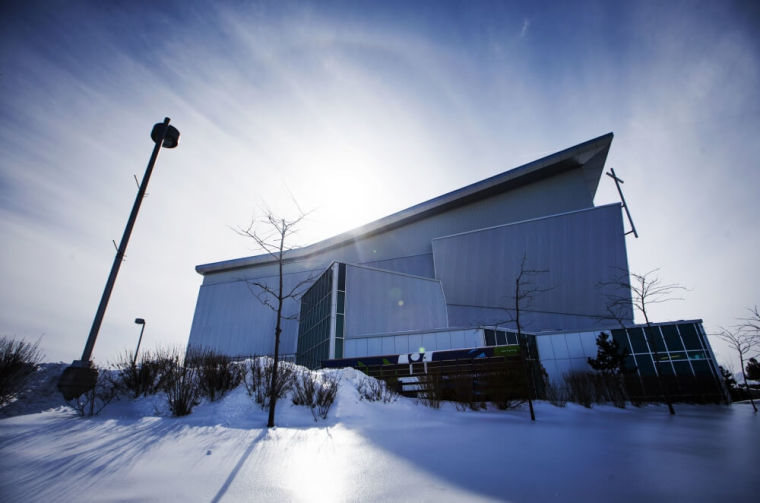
x=374, y=451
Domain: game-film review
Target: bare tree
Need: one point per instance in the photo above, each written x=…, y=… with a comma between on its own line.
x=645, y=290
x=272, y=234
x=525, y=291
x=745, y=340
x=752, y=323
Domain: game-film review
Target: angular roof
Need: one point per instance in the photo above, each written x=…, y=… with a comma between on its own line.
x=589, y=156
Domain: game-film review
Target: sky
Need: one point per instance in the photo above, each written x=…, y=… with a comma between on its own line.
x=355, y=110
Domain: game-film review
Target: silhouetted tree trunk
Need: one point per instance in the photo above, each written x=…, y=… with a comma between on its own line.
x=525, y=291
x=271, y=234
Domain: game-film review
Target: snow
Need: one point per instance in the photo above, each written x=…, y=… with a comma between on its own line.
x=373, y=451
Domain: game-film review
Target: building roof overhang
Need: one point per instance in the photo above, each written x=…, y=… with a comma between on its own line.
x=589, y=156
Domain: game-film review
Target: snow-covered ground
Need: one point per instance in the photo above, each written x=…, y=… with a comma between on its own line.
x=364, y=451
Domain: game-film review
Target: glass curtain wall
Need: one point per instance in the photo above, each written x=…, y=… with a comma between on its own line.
x=340, y=309
x=683, y=357
x=314, y=323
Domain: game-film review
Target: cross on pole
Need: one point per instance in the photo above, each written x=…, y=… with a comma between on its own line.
x=618, y=181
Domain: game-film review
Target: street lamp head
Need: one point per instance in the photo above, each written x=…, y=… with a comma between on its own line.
x=172, y=135
x=139, y=321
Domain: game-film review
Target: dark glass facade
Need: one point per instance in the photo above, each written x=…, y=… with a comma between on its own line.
x=314, y=323
x=683, y=358
x=500, y=337
x=340, y=311
x=314, y=329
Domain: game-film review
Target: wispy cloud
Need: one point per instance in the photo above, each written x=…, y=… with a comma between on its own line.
x=525, y=26
x=355, y=114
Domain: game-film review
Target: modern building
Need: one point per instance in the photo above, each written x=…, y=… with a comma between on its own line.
x=440, y=274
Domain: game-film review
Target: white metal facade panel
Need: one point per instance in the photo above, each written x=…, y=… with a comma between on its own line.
x=578, y=250
x=417, y=265
x=564, y=353
x=394, y=344
x=545, y=348
x=384, y=302
x=561, y=193
x=231, y=320
x=574, y=347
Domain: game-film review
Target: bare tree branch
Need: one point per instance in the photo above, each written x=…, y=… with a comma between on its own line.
x=525, y=290
x=523, y=294
x=752, y=323
x=298, y=290
x=645, y=289
x=744, y=341
x=271, y=234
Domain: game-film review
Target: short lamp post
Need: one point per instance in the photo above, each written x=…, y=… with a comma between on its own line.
x=138, y=321
x=81, y=376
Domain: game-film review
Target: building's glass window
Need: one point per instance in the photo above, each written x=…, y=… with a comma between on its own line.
x=689, y=336
x=701, y=367
x=341, y=301
x=637, y=340
x=342, y=277
x=697, y=355
x=314, y=323
x=621, y=338
x=504, y=338
x=655, y=339
x=630, y=363
x=682, y=368
x=340, y=310
x=672, y=339
x=645, y=365
x=511, y=338
x=665, y=368
x=490, y=337
x=501, y=338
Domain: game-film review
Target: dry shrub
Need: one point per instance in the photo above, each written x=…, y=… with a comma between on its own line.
x=18, y=359
x=315, y=391
x=506, y=387
x=258, y=379
x=146, y=376
x=461, y=391
x=92, y=402
x=432, y=389
x=181, y=385
x=555, y=395
x=586, y=388
x=304, y=389
x=471, y=390
x=217, y=373
x=375, y=390
x=326, y=393
x=580, y=388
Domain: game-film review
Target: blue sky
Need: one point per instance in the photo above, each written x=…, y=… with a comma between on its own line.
x=356, y=110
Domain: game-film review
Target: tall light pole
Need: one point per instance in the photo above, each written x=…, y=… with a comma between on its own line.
x=138, y=321
x=80, y=376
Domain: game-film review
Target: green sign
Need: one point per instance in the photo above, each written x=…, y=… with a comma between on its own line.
x=507, y=350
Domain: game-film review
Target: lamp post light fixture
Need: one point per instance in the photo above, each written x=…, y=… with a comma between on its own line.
x=138, y=321
x=81, y=376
